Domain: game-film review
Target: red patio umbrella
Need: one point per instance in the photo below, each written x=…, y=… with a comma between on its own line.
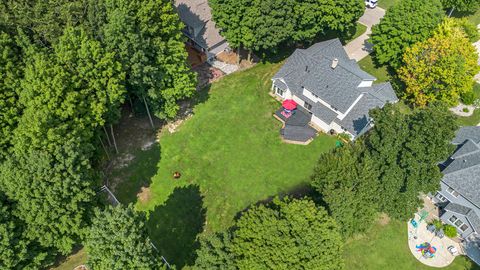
x=289, y=104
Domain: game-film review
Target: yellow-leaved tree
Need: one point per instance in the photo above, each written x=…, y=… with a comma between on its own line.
x=440, y=68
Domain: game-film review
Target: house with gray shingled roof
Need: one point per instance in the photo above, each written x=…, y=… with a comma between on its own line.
x=200, y=29
x=335, y=91
x=459, y=196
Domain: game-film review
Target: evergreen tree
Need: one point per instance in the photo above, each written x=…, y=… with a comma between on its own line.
x=404, y=24
x=347, y=181
x=118, y=239
x=441, y=68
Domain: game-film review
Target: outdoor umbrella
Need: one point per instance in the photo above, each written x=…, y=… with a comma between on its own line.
x=289, y=104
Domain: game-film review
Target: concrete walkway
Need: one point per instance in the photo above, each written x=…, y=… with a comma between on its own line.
x=359, y=48
x=417, y=236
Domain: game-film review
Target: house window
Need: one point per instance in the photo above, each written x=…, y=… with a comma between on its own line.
x=464, y=227
x=441, y=197
x=280, y=92
x=459, y=223
x=308, y=106
x=452, y=191
x=453, y=219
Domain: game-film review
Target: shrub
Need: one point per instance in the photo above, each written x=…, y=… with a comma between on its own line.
x=450, y=231
x=465, y=110
x=438, y=224
x=468, y=98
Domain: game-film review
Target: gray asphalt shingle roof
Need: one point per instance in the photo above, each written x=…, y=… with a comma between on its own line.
x=311, y=69
x=197, y=14
x=462, y=171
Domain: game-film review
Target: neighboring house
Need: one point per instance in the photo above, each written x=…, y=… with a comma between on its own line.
x=334, y=90
x=200, y=28
x=459, y=197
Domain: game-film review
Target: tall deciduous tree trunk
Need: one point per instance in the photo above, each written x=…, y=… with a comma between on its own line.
x=239, y=51
x=103, y=146
x=148, y=111
x=113, y=137
x=249, y=57
x=451, y=11
x=131, y=103
x=108, y=137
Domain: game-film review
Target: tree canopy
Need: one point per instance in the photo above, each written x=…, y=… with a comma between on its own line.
x=117, y=239
x=286, y=234
x=404, y=24
x=346, y=179
x=462, y=5
x=406, y=150
x=441, y=68
x=262, y=25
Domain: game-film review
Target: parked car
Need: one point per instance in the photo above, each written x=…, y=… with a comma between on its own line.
x=371, y=3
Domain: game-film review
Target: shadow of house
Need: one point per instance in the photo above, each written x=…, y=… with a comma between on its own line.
x=174, y=226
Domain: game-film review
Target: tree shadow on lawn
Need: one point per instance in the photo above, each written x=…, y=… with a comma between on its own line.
x=175, y=225
x=138, y=175
x=298, y=192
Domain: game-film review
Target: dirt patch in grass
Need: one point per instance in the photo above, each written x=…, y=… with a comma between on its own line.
x=384, y=219
x=144, y=195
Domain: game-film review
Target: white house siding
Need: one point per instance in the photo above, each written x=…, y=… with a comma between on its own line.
x=324, y=126
x=338, y=128
x=365, y=84
x=298, y=100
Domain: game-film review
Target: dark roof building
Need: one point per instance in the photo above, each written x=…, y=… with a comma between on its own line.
x=338, y=93
x=200, y=28
x=459, y=196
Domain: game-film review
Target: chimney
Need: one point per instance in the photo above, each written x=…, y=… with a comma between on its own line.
x=306, y=69
x=335, y=63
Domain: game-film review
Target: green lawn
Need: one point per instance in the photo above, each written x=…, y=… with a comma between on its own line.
x=475, y=118
x=354, y=33
x=369, y=66
x=386, y=4
x=72, y=261
x=230, y=155
x=385, y=247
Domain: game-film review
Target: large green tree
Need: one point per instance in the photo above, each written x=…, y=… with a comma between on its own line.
x=16, y=250
x=314, y=17
x=286, y=234
x=146, y=37
x=440, y=68
x=404, y=24
x=117, y=239
x=347, y=181
x=461, y=5
x=406, y=150
x=264, y=25
x=66, y=94
x=10, y=76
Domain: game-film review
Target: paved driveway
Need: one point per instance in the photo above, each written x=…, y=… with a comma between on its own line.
x=359, y=48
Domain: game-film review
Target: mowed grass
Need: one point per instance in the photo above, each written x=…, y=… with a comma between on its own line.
x=386, y=4
x=474, y=119
x=379, y=72
x=231, y=150
x=72, y=261
x=385, y=247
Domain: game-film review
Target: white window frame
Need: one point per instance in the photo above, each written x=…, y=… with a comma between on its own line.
x=307, y=106
x=460, y=228
x=441, y=197
x=452, y=192
x=455, y=220
x=279, y=91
